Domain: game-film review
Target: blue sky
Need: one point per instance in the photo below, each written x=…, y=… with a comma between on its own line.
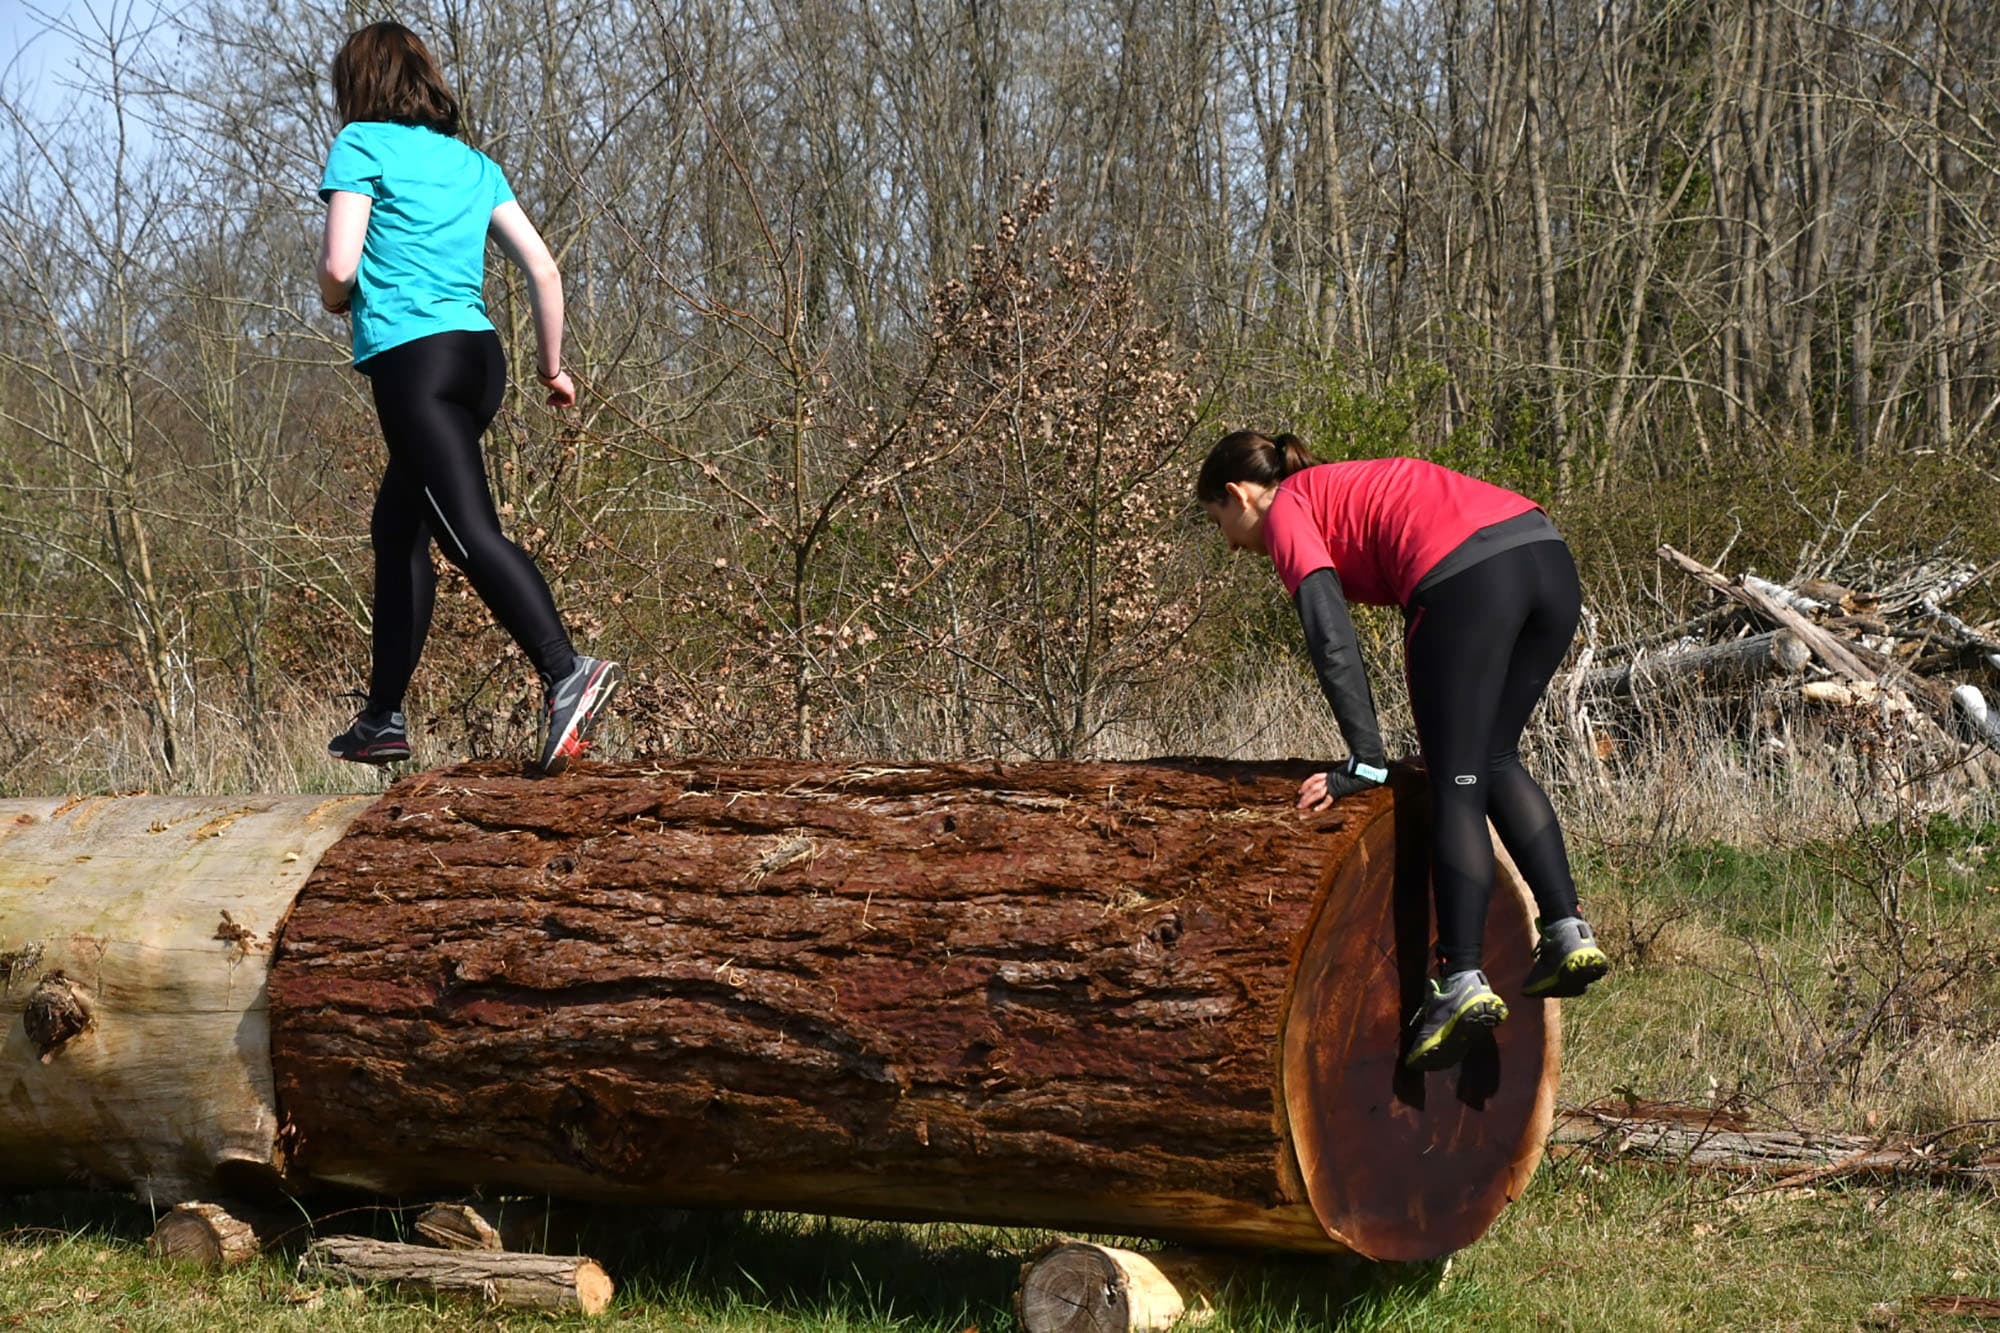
x=35, y=61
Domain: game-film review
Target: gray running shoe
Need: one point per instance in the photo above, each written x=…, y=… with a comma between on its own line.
x=574, y=704
x=1457, y=1010
x=372, y=738
x=1567, y=959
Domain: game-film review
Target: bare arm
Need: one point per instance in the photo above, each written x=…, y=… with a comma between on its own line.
x=340, y=251
x=523, y=244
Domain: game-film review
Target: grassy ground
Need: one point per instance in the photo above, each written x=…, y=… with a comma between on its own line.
x=1850, y=981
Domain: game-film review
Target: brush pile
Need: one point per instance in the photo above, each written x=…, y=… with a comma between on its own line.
x=1891, y=670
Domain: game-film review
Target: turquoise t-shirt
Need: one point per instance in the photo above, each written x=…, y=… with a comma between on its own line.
x=423, y=264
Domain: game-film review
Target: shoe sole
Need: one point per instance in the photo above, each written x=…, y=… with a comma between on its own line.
x=1477, y=1017
x=596, y=695
x=1573, y=977
x=374, y=754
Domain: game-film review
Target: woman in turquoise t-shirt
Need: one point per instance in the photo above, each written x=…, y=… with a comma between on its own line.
x=409, y=208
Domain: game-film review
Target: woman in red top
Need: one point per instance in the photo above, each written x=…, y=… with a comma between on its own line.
x=1490, y=602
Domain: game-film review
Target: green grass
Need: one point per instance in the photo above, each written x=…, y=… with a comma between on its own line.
x=1737, y=973
x=1586, y=1248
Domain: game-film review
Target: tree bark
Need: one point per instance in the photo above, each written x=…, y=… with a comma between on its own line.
x=134, y=936
x=1148, y=998
x=497, y=1277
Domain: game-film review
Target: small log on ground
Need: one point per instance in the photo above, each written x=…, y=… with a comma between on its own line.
x=1080, y=1287
x=1696, y=1139
x=1146, y=998
x=213, y=1235
x=499, y=1224
x=554, y=1283
x=134, y=935
x=1739, y=662
x=1075, y=1286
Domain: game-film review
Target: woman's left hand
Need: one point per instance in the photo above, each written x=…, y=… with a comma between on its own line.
x=562, y=389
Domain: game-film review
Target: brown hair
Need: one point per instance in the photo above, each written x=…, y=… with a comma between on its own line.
x=384, y=72
x=1247, y=456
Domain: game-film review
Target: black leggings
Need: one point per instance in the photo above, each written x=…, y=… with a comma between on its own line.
x=435, y=396
x=1480, y=649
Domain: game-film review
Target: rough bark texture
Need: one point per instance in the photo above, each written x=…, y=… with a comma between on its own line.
x=1047, y=993
x=495, y=1277
x=134, y=933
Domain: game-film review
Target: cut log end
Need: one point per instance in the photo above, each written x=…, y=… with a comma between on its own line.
x=1075, y=1287
x=211, y=1236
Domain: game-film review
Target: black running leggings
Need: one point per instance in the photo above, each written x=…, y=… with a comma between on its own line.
x=435, y=396
x=1480, y=648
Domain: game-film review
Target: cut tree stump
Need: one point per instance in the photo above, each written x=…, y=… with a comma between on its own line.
x=555, y=1283
x=134, y=934
x=213, y=1235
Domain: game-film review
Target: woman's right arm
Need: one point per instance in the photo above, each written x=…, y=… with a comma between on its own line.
x=523, y=244
x=1336, y=656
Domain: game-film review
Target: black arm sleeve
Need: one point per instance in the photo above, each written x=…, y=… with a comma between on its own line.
x=1336, y=656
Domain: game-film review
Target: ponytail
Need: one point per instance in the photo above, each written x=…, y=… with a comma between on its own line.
x=1247, y=456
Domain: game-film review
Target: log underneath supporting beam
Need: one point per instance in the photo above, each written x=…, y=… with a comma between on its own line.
x=214, y=1235
x=554, y=1283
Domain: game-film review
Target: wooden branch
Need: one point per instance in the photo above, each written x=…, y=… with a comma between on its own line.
x=499, y=1278
x=1828, y=649
x=1738, y=662
x=1695, y=1139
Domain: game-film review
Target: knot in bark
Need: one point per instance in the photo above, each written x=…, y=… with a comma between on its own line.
x=56, y=1013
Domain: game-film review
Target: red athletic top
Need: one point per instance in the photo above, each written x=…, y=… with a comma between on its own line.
x=1380, y=524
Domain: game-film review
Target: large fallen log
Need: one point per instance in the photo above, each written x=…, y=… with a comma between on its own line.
x=1148, y=998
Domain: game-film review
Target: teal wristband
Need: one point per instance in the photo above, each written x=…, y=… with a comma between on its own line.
x=1369, y=771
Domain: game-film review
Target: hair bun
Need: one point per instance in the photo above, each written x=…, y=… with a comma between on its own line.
x=1297, y=456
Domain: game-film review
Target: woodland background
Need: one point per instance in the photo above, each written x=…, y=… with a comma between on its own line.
x=901, y=329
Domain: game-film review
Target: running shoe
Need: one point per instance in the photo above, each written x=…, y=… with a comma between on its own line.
x=574, y=705
x=372, y=738
x=1567, y=960
x=1457, y=1010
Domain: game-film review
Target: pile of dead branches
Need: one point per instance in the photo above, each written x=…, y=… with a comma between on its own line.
x=1892, y=669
